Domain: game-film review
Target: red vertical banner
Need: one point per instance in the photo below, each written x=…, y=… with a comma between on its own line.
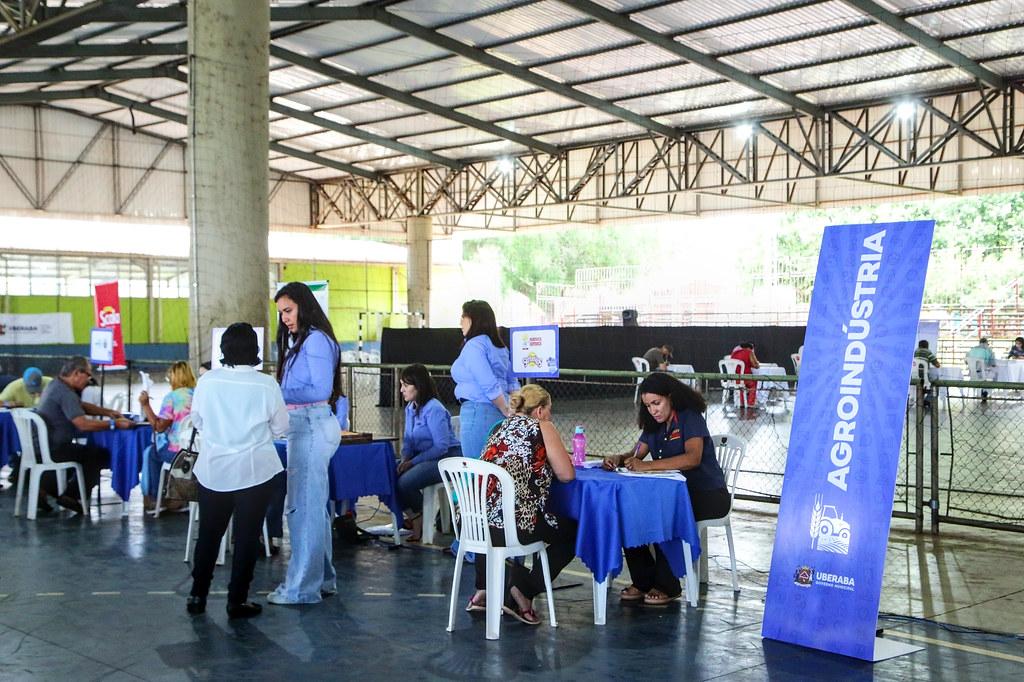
x=107, y=304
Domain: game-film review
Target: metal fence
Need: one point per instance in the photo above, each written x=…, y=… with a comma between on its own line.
x=959, y=459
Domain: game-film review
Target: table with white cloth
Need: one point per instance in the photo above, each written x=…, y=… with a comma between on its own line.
x=684, y=369
x=1010, y=370
x=764, y=388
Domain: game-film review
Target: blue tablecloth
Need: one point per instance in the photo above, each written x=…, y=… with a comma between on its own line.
x=616, y=511
x=126, y=448
x=9, y=443
x=360, y=469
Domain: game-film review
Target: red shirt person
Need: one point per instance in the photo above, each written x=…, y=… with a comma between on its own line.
x=745, y=352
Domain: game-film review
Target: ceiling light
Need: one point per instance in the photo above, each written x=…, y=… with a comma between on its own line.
x=906, y=110
x=506, y=165
x=744, y=131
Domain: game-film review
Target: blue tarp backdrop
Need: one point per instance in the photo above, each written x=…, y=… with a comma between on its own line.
x=833, y=528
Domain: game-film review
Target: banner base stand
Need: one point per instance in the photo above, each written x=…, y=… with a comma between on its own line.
x=888, y=648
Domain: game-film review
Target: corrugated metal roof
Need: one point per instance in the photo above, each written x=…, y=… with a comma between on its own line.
x=824, y=50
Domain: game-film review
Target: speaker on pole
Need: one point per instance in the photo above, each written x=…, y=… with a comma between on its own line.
x=629, y=318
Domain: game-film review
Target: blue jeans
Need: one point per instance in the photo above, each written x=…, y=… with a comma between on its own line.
x=412, y=482
x=313, y=437
x=475, y=423
x=154, y=461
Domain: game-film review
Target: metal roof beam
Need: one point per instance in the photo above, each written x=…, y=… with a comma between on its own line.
x=627, y=25
x=38, y=96
x=274, y=146
x=409, y=100
x=101, y=10
x=323, y=161
x=71, y=75
x=926, y=42
x=88, y=50
x=522, y=73
x=353, y=131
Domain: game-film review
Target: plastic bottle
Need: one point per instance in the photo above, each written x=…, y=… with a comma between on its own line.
x=579, y=446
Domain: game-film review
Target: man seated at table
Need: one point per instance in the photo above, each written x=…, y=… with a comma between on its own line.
x=23, y=392
x=924, y=353
x=659, y=357
x=65, y=414
x=988, y=362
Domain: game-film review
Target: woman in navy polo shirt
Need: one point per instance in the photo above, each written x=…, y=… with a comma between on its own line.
x=428, y=438
x=676, y=436
x=483, y=377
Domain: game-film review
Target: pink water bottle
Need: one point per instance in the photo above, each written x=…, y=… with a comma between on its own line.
x=579, y=446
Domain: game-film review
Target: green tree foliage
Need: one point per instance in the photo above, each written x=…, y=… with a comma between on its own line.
x=554, y=257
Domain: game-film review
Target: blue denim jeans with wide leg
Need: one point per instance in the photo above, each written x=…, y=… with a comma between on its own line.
x=475, y=423
x=313, y=437
x=154, y=458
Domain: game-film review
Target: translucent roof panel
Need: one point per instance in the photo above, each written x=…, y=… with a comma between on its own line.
x=372, y=110
x=521, y=21
x=295, y=78
x=659, y=79
x=448, y=138
x=969, y=17
x=335, y=37
x=570, y=41
x=613, y=62
x=390, y=55
x=854, y=92
x=426, y=76
x=990, y=44
x=609, y=131
x=831, y=46
x=515, y=107
x=723, y=114
x=453, y=96
x=848, y=70
x=690, y=99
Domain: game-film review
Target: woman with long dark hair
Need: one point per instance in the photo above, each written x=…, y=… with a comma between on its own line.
x=674, y=433
x=483, y=377
x=428, y=438
x=310, y=376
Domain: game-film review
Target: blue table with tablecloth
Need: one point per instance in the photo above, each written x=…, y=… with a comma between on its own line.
x=618, y=510
x=9, y=443
x=360, y=469
x=126, y=447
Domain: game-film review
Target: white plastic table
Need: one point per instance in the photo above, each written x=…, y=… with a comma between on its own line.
x=764, y=387
x=684, y=369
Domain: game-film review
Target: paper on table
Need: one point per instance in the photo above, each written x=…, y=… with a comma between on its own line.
x=675, y=475
x=592, y=464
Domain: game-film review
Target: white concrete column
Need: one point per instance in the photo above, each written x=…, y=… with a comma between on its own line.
x=229, y=50
x=420, y=234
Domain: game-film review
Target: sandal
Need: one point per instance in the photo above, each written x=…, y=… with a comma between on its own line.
x=524, y=616
x=474, y=605
x=631, y=593
x=658, y=598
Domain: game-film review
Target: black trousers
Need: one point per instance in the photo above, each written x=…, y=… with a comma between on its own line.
x=648, y=567
x=249, y=506
x=561, y=549
x=93, y=458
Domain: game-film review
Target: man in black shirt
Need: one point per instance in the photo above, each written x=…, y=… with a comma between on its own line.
x=65, y=414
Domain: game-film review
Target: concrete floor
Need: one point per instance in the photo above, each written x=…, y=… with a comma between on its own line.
x=104, y=599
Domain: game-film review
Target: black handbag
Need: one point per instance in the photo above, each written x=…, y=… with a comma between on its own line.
x=180, y=484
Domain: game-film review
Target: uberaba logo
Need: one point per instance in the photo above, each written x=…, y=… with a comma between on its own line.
x=839, y=582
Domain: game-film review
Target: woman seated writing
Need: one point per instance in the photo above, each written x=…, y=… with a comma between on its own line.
x=175, y=412
x=528, y=446
x=674, y=433
x=428, y=437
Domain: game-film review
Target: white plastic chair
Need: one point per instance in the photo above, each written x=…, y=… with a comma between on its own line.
x=639, y=365
x=193, y=535
x=796, y=358
x=432, y=504
x=730, y=451
x=467, y=479
x=978, y=371
x=731, y=366
x=157, y=508
x=119, y=402
x=35, y=463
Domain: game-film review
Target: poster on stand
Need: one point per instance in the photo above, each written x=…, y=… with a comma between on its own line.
x=844, y=446
x=107, y=304
x=101, y=346
x=534, y=351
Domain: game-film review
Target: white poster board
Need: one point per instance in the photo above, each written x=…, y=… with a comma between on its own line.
x=24, y=329
x=534, y=351
x=215, y=348
x=101, y=345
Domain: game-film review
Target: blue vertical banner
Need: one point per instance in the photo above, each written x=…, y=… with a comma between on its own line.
x=844, y=447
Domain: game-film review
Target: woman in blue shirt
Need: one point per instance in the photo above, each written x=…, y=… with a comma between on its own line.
x=428, y=437
x=483, y=377
x=674, y=433
x=310, y=376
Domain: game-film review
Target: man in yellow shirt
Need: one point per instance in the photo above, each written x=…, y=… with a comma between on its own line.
x=26, y=391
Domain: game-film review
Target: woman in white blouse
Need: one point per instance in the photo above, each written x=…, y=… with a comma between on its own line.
x=238, y=411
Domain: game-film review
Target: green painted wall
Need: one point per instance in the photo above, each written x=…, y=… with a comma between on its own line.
x=353, y=289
